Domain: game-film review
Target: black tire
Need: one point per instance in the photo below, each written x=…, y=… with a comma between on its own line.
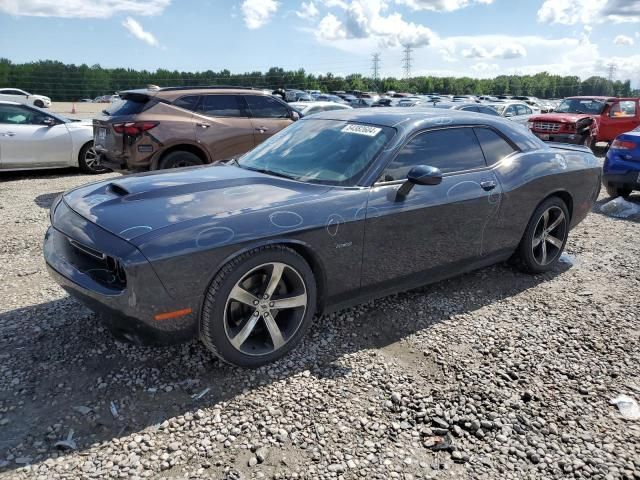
x=614, y=192
x=88, y=160
x=179, y=159
x=38, y=103
x=588, y=142
x=532, y=255
x=222, y=314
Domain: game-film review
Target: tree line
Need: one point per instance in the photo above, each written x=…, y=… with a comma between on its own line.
x=69, y=82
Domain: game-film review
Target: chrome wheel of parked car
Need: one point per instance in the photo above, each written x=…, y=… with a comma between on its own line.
x=259, y=306
x=265, y=308
x=549, y=236
x=89, y=161
x=545, y=236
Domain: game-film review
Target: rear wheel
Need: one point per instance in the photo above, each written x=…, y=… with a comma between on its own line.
x=180, y=159
x=545, y=237
x=259, y=306
x=88, y=160
x=614, y=192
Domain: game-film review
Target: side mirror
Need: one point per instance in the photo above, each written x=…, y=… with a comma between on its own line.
x=49, y=121
x=295, y=116
x=419, y=175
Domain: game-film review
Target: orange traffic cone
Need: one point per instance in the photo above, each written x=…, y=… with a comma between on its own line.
x=73, y=108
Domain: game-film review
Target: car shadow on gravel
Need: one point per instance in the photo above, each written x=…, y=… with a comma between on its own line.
x=46, y=199
x=634, y=198
x=61, y=371
x=45, y=173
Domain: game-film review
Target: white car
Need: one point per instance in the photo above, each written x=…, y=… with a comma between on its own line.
x=309, y=108
x=26, y=98
x=32, y=139
x=516, y=111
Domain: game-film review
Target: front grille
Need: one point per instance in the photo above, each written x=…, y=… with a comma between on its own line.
x=546, y=127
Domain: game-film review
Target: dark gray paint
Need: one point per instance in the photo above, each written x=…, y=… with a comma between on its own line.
x=174, y=230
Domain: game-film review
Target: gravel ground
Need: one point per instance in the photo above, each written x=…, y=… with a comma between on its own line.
x=494, y=374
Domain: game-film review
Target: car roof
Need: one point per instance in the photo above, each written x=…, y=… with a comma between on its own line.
x=7, y=102
x=171, y=93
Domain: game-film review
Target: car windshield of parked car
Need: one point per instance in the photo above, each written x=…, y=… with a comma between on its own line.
x=320, y=151
x=580, y=105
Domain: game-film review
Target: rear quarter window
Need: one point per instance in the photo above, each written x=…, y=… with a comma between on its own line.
x=494, y=147
x=127, y=107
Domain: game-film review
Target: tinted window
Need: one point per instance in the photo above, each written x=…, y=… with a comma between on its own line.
x=495, y=147
x=221, y=106
x=126, y=107
x=266, y=107
x=450, y=150
x=470, y=109
x=523, y=110
x=188, y=102
x=488, y=111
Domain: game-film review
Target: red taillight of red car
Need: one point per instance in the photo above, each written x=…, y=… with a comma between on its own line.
x=134, y=128
x=623, y=145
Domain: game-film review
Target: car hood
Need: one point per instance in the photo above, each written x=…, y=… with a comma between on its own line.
x=559, y=117
x=136, y=205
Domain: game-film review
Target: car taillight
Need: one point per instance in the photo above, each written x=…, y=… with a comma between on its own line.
x=623, y=145
x=134, y=128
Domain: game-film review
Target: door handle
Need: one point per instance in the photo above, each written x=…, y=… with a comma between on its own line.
x=7, y=134
x=203, y=125
x=262, y=129
x=488, y=185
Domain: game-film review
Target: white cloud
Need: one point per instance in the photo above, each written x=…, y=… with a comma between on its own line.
x=507, y=51
x=571, y=12
x=140, y=33
x=441, y=5
x=365, y=19
x=82, y=8
x=258, y=13
x=623, y=40
x=483, y=68
x=308, y=11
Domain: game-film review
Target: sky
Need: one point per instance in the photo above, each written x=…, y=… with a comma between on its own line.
x=479, y=38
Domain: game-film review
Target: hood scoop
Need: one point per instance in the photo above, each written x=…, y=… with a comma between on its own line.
x=117, y=189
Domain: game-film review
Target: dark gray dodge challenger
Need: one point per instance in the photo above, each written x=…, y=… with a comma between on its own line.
x=336, y=209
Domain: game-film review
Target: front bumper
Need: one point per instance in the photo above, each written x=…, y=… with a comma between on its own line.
x=574, y=138
x=128, y=310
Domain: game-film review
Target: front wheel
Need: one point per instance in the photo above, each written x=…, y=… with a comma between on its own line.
x=259, y=306
x=88, y=160
x=545, y=237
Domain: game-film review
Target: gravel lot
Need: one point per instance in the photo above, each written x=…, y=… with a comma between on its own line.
x=495, y=374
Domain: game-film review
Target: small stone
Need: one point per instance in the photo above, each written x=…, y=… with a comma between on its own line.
x=396, y=398
x=253, y=461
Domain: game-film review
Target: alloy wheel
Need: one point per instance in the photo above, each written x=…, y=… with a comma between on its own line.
x=549, y=236
x=91, y=159
x=265, y=309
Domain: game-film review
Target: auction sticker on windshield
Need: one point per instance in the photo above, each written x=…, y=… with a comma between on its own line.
x=361, y=130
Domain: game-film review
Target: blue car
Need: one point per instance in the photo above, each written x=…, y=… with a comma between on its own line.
x=621, y=171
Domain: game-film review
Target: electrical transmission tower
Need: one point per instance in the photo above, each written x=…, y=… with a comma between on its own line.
x=406, y=61
x=375, y=68
x=611, y=69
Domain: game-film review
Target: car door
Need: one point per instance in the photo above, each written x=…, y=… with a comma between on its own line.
x=26, y=141
x=622, y=117
x=223, y=126
x=438, y=229
x=268, y=116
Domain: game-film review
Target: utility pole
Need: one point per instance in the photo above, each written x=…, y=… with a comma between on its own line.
x=406, y=61
x=611, y=68
x=375, y=68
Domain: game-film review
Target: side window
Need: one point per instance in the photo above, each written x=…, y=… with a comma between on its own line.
x=450, y=150
x=188, y=102
x=495, y=147
x=488, y=111
x=221, y=106
x=262, y=106
x=470, y=109
x=15, y=115
x=624, y=108
x=510, y=112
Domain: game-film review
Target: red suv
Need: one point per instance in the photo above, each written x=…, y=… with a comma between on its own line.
x=174, y=127
x=587, y=120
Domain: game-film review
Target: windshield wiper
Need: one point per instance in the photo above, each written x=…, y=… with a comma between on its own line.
x=269, y=172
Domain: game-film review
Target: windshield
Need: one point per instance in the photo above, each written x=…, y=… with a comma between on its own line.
x=580, y=105
x=329, y=152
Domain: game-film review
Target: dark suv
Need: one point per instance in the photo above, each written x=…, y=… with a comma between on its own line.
x=182, y=126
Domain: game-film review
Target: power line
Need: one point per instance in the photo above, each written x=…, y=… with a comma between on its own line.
x=406, y=61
